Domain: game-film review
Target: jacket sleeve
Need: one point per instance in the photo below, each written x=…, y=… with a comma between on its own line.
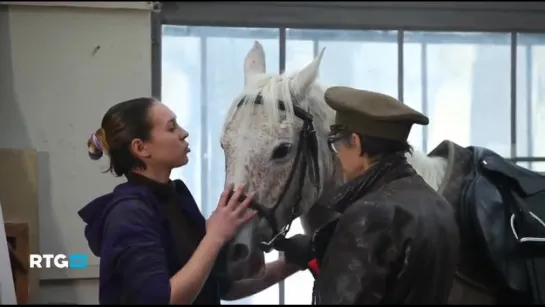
x=359, y=258
x=133, y=243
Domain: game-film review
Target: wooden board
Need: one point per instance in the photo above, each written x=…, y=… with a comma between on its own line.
x=17, y=235
x=19, y=197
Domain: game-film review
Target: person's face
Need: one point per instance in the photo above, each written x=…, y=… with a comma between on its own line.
x=347, y=146
x=167, y=146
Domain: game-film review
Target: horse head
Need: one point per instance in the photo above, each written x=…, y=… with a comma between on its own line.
x=274, y=140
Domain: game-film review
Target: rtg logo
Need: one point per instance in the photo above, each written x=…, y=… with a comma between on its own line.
x=75, y=261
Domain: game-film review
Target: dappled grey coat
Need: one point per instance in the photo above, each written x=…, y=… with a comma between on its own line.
x=396, y=241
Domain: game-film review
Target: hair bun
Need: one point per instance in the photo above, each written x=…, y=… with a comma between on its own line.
x=95, y=149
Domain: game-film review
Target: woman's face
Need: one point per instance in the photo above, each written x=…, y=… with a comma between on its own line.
x=167, y=146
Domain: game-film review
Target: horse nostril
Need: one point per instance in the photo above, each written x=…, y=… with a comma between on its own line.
x=239, y=252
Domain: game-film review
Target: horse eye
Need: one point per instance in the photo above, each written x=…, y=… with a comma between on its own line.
x=281, y=151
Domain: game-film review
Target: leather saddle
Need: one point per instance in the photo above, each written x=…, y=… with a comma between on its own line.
x=502, y=211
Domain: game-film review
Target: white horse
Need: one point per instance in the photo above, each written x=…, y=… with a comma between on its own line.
x=260, y=141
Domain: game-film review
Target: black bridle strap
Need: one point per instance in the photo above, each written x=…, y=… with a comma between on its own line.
x=307, y=132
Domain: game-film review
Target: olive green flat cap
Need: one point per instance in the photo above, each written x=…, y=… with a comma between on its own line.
x=373, y=114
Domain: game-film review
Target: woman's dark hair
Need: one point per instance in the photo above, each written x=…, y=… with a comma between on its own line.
x=122, y=123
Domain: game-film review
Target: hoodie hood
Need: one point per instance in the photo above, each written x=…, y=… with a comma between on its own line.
x=94, y=215
x=96, y=212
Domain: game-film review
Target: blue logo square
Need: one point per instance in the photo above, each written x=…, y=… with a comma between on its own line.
x=77, y=261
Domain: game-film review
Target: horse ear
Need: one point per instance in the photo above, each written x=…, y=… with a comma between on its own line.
x=254, y=64
x=308, y=75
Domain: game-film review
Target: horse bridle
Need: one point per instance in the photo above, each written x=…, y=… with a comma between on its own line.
x=307, y=149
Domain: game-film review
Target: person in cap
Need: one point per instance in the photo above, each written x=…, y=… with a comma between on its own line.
x=396, y=240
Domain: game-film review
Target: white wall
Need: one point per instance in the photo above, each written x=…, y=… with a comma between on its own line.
x=60, y=70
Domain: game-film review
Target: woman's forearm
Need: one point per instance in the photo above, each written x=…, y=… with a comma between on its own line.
x=274, y=272
x=188, y=282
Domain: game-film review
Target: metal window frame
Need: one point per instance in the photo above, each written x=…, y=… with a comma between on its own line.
x=367, y=35
x=521, y=16
x=394, y=19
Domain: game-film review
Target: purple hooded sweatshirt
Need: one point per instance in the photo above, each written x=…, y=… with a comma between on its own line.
x=127, y=231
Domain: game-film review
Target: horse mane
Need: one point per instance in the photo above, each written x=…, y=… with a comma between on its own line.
x=431, y=169
x=274, y=88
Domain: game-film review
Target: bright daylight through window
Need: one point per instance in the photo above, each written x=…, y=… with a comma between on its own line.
x=462, y=81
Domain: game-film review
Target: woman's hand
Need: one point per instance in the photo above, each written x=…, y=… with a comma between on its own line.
x=229, y=216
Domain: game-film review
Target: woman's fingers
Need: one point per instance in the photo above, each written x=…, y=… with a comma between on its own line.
x=244, y=205
x=232, y=204
x=248, y=215
x=224, y=198
x=240, y=209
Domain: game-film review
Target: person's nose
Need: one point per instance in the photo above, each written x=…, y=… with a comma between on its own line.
x=184, y=135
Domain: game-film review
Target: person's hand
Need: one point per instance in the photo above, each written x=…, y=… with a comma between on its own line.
x=229, y=215
x=297, y=250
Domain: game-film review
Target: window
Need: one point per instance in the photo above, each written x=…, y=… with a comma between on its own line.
x=362, y=59
x=202, y=72
x=461, y=81
x=530, y=117
x=534, y=166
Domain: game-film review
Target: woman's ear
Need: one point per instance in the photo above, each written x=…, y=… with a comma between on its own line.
x=139, y=149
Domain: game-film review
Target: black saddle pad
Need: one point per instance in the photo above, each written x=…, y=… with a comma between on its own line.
x=502, y=208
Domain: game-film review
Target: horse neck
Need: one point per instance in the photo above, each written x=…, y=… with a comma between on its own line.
x=317, y=216
x=431, y=169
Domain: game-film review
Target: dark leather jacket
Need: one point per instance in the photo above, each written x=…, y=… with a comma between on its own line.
x=396, y=241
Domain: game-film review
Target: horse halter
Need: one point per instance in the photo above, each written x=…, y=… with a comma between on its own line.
x=307, y=151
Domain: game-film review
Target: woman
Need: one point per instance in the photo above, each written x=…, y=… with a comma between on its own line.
x=154, y=244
